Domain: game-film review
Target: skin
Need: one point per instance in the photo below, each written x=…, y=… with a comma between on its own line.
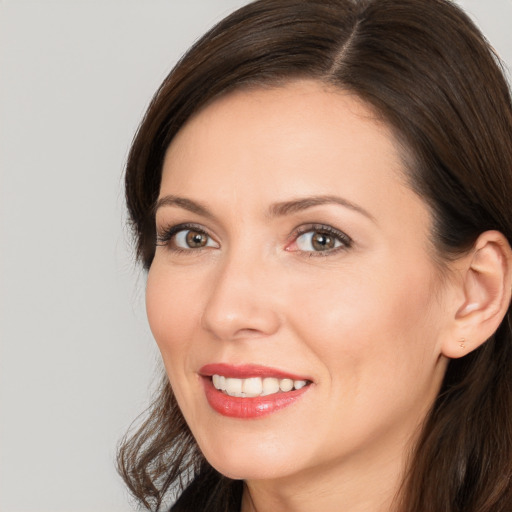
x=365, y=322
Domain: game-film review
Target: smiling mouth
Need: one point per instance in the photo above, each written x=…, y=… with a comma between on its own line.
x=255, y=386
x=250, y=391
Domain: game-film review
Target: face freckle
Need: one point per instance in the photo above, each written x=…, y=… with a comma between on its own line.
x=314, y=259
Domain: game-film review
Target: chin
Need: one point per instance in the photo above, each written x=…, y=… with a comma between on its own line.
x=244, y=469
x=252, y=461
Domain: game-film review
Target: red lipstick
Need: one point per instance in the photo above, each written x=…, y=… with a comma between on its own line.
x=248, y=407
x=246, y=371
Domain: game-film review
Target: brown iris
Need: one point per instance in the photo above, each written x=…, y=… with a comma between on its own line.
x=196, y=239
x=322, y=241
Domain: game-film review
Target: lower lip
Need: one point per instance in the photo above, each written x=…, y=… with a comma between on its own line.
x=252, y=407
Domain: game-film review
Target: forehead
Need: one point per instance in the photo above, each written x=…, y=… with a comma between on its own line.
x=266, y=145
x=304, y=114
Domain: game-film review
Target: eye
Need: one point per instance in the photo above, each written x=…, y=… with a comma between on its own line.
x=190, y=239
x=316, y=239
x=185, y=238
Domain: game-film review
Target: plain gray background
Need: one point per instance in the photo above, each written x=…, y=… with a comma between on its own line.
x=77, y=361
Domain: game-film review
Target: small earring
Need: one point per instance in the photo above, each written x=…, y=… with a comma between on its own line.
x=462, y=343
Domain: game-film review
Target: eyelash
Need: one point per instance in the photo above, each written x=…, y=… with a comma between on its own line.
x=345, y=241
x=166, y=235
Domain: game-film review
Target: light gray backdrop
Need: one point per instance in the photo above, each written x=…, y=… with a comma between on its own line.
x=76, y=357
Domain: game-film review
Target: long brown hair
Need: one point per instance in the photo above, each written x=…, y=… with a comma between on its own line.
x=429, y=72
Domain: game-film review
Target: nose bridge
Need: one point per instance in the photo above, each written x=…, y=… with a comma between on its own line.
x=240, y=298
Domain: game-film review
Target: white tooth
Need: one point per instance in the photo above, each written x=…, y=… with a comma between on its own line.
x=298, y=384
x=286, y=384
x=270, y=386
x=255, y=386
x=233, y=386
x=252, y=386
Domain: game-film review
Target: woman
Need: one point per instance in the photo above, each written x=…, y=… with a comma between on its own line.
x=320, y=192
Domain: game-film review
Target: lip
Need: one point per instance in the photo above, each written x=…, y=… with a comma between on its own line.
x=246, y=371
x=250, y=407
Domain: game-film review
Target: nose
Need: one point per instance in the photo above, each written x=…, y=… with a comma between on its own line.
x=241, y=303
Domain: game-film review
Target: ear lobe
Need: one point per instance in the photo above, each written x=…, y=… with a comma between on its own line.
x=486, y=283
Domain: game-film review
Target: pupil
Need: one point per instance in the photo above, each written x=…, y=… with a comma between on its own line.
x=195, y=239
x=321, y=242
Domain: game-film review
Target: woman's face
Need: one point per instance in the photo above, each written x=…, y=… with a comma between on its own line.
x=292, y=254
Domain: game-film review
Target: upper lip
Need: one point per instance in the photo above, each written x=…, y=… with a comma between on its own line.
x=246, y=371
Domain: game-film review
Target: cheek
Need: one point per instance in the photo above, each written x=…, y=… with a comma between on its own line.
x=351, y=319
x=376, y=341
x=170, y=319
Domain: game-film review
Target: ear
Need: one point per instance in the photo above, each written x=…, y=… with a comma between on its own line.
x=486, y=291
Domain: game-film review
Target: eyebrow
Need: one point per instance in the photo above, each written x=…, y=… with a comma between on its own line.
x=300, y=204
x=275, y=210
x=186, y=204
